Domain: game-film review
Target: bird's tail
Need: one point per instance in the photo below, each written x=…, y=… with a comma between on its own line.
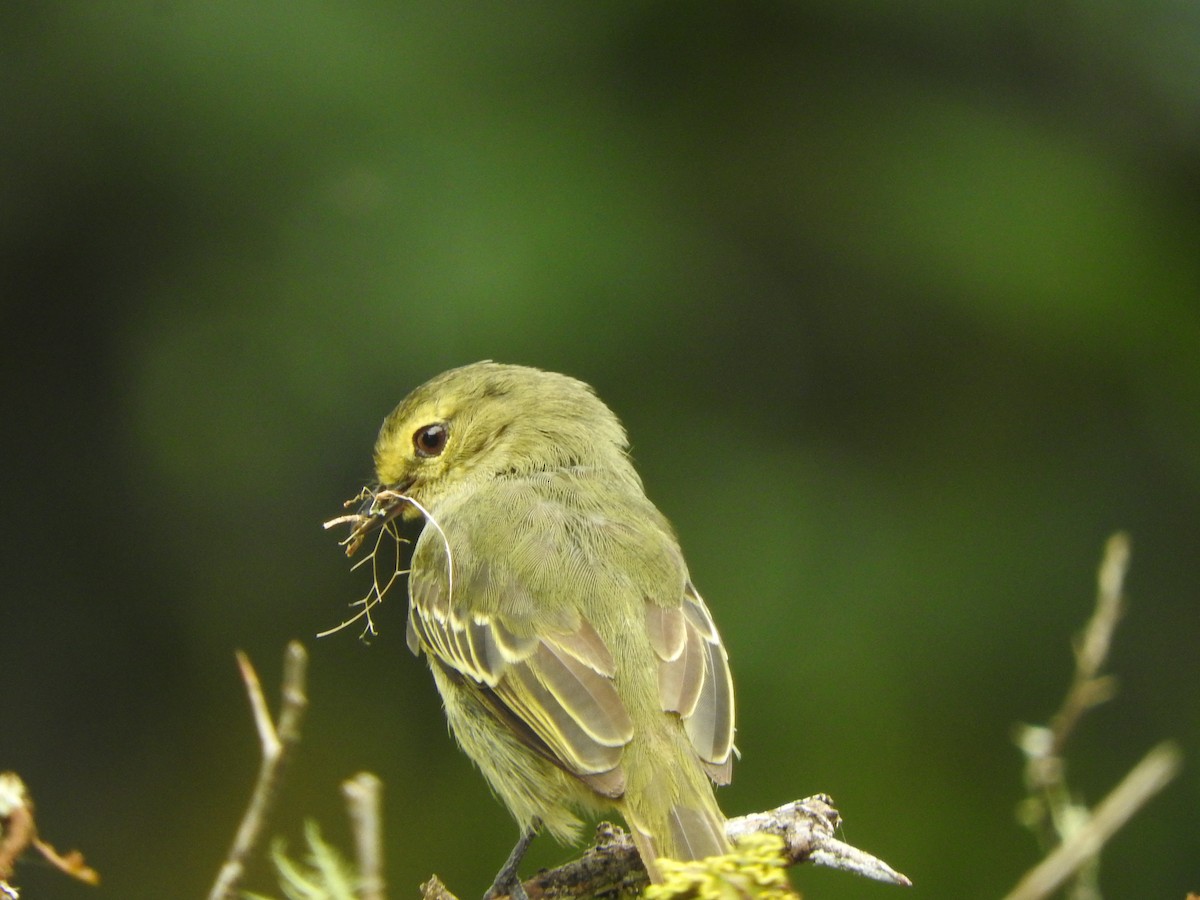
x=691, y=827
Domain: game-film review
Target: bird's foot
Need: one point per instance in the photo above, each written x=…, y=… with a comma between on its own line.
x=507, y=882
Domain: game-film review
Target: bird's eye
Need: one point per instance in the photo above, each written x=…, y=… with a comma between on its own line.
x=430, y=440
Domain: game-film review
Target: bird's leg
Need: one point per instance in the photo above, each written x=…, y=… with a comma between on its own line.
x=507, y=882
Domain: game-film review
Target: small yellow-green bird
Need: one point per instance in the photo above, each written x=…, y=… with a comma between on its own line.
x=579, y=667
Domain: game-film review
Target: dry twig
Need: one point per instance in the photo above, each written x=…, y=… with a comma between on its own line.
x=18, y=832
x=362, y=794
x=1146, y=779
x=277, y=743
x=1076, y=833
x=376, y=510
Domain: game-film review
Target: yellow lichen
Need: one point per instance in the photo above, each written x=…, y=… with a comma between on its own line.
x=755, y=868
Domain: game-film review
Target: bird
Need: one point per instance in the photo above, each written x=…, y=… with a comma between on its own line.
x=578, y=666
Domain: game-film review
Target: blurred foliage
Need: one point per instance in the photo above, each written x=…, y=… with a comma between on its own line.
x=899, y=304
x=324, y=874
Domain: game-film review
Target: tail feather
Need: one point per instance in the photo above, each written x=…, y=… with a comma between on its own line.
x=689, y=834
x=695, y=834
x=648, y=852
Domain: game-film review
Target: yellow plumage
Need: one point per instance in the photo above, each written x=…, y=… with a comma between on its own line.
x=579, y=667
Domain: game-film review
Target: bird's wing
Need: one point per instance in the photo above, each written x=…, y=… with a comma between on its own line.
x=553, y=685
x=693, y=678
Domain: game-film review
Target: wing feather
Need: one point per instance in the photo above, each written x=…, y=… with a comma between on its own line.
x=587, y=647
x=526, y=695
x=550, y=676
x=556, y=690
x=665, y=626
x=694, y=679
x=681, y=679
x=585, y=694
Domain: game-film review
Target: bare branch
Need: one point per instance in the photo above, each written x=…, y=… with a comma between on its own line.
x=612, y=866
x=1049, y=804
x=362, y=794
x=807, y=828
x=277, y=742
x=1077, y=833
x=1146, y=779
x=1088, y=689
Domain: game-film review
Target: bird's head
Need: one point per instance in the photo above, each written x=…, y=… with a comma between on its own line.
x=483, y=421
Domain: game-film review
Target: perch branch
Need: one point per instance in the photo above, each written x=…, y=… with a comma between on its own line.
x=277, y=743
x=807, y=828
x=612, y=866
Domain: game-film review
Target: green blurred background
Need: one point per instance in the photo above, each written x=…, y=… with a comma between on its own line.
x=901, y=307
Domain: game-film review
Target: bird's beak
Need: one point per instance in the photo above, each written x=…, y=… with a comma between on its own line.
x=376, y=507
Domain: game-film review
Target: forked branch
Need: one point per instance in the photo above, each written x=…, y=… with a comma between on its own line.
x=277, y=742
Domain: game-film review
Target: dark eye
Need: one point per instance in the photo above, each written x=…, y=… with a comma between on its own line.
x=431, y=439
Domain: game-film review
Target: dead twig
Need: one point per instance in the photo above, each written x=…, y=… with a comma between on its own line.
x=362, y=793
x=1076, y=833
x=18, y=832
x=376, y=511
x=1089, y=688
x=807, y=828
x=277, y=743
x=1146, y=779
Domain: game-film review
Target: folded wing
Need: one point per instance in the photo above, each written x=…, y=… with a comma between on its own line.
x=694, y=680
x=555, y=689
